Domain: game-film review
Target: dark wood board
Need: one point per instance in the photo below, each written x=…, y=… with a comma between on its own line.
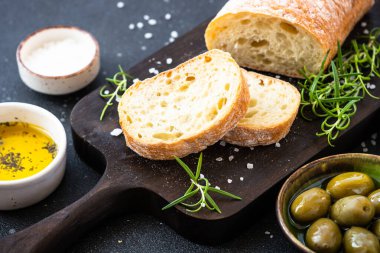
x=134, y=184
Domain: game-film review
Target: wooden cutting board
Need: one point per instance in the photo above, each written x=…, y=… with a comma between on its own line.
x=131, y=183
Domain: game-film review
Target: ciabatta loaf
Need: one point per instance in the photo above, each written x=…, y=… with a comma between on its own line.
x=186, y=109
x=272, y=109
x=283, y=36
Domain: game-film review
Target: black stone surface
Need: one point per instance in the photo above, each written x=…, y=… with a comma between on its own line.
x=119, y=45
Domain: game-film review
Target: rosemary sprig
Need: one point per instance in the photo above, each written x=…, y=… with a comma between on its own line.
x=202, y=187
x=333, y=94
x=120, y=80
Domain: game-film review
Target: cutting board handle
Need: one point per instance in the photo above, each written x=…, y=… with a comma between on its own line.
x=54, y=233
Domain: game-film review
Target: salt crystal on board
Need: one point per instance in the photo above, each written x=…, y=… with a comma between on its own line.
x=116, y=132
x=168, y=16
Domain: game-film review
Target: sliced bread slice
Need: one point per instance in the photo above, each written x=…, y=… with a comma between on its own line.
x=272, y=109
x=186, y=109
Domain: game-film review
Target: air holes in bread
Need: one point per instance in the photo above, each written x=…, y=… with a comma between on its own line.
x=212, y=114
x=227, y=86
x=168, y=81
x=283, y=107
x=267, y=61
x=158, y=94
x=250, y=114
x=208, y=58
x=241, y=41
x=139, y=135
x=261, y=82
x=190, y=78
x=221, y=103
x=252, y=102
x=288, y=28
x=163, y=104
x=259, y=43
x=129, y=120
x=184, y=88
x=167, y=136
x=168, y=74
x=245, y=21
x=149, y=124
x=177, y=77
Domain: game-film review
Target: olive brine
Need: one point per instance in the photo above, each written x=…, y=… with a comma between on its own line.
x=342, y=215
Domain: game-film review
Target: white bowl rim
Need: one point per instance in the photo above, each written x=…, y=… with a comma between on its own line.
x=78, y=72
x=61, y=153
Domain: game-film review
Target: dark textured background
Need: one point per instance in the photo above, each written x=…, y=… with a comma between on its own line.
x=119, y=45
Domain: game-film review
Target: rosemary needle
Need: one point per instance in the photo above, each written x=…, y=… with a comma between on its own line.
x=120, y=80
x=203, y=187
x=333, y=94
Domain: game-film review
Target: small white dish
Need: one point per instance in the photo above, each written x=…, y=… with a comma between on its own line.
x=15, y=194
x=58, y=60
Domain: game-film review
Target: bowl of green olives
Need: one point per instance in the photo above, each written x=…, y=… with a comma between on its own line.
x=333, y=205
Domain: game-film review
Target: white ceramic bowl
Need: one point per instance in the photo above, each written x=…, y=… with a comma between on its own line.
x=27, y=191
x=59, y=73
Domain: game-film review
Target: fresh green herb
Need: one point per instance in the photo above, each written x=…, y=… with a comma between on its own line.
x=199, y=185
x=333, y=94
x=120, y=80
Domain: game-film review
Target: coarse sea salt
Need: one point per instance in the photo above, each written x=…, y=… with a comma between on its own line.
x=219, y=159
x=229, y=181
x=120, y=5
x=230, y=158
x=169, y=61
x=148, y=36
x=249, y=166
x=116, y=132
x=168, y=16
x=152, y=22
x=174, y=34
x=60, y=57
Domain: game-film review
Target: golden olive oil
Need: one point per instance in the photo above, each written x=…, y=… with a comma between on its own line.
x=25, y=149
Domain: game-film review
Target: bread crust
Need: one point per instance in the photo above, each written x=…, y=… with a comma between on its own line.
x=249, y=135
x=327, y=21
x=199, y=141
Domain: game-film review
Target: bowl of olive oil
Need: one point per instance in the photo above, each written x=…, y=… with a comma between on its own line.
x=32, y=154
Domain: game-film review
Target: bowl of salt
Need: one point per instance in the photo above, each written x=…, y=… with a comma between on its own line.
x=58, y=60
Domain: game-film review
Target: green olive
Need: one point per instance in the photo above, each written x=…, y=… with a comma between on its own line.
x=374, y=197
x=353, y=210
x=324, y=236
x=359, y=239
x=375, y=228
x=310, y=205
x=350, y=183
